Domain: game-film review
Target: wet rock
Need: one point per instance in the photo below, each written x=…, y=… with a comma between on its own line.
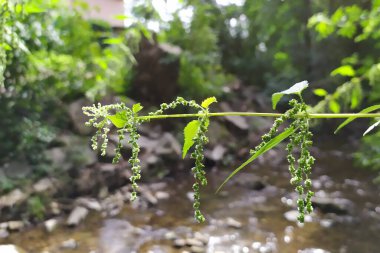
x=216, y=154
x=55, y=209
x=77, y=215
x=194, y=242
x=13, y=198
x=231, y=222
x=89, y=203
x=15, y=225
x=44, y=185
x=197, y=249
x=179, y=243
x=338, y=206
x=69, y=244
x=313, y=250
x=10, y=248
x=148, y=195
x=170, y=235
x=202, y=237
x=50, y=225
x=162, y=195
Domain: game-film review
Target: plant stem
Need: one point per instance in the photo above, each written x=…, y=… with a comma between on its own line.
x=261, y=114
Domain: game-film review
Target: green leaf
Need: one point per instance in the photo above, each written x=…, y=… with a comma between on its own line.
x=119, y=119
x=268, y=146
x=113, y=41
x=208, y=101
x=320, y=92
x=345, y=70
x=189, y=133
x=371, y=128
x=295, y=89
x=350, y=119
x=334, y=106
x=137, y=107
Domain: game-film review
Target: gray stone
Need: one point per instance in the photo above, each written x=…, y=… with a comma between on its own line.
x=50, y=225
x=89, y=203
x=69, y=244
x=45, y=184
x=197, y=249
x=179, y=243
x=231, y=222
x=162, y=195
x=194, y=242
x=13, y=198
x=77, y=215
x=15, y=225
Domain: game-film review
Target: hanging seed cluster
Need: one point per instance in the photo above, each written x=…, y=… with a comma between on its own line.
x=300, y=169
x=127, y=121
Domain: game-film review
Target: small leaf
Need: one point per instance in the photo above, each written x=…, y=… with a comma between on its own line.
x=350, y=119
x=137, y=107
x=208, y=101
x=334, y=106
x=345, y=70
x=189, y=133
x=119, y=119
x=271, y=144
x=113, y=41
x=295, y=89
x=320, y=92
x=371, y=128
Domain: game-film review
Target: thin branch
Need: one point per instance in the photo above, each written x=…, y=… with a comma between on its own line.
x=260, y=114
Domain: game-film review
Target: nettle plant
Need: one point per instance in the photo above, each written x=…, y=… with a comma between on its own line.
x=297, y=130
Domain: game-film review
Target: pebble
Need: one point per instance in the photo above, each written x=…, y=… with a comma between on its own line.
x=194, y=242
x=162, y=195
x=231, y=222
x=15, y=225
x=78, y=214
x=179, y=243
x=197, y=249
x=69, y=244
x=50, y=225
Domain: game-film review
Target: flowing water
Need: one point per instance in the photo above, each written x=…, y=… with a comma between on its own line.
x=240, y=219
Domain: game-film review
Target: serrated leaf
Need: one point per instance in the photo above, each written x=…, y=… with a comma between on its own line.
x=320, y=92
x=271, y=144
x=189, y=133
x=295, y=89
x=119, y=119
x=137, y=107
x=350, y=119
x=345, y=70
x=208, y=101
x=371, y=128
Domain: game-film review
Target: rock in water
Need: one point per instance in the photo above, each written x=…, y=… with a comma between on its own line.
x=10, y=248
x=76, y=216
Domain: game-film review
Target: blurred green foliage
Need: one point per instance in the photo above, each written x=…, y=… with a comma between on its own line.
x=54, y=56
